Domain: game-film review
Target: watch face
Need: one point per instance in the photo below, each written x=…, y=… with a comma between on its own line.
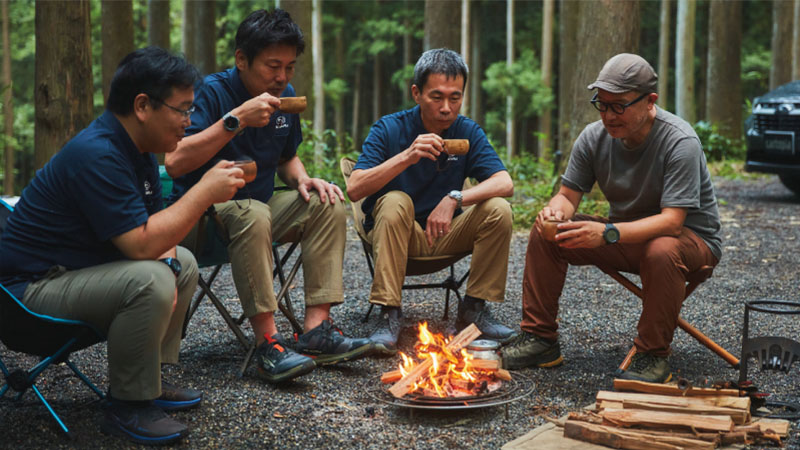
x=611, y=235
x=231, y=123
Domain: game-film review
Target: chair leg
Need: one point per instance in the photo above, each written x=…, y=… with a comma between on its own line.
x=205, y=288
x=369, y=311
x=284, y=300
x=50, y=409
x=247, y=358
x=85, y=380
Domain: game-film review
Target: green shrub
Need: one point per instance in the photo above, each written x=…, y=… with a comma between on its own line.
x=716, y=146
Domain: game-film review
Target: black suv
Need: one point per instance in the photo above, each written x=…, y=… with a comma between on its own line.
x=773, y=135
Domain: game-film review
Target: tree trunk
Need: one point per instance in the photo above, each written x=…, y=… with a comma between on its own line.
x=406, y=90
x=205, y=51
x=319, y=75
x=567, y=60
x=545, y=120
x=465, y=51
x=189, y=31
x=377, y=88
x=684, y=61
x=724, y=94
x=300, y=10
x=8, y=106
x=663, y=53
x=511, y=149
x=63, y=75
x=781, y=69
x=158, y=23
x=116, y=36
x=356, y=132
x=796, y=42
x=476, y=70
x=338, y=108
x=442, y=24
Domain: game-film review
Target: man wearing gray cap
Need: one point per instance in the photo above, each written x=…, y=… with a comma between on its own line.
x=663, y=220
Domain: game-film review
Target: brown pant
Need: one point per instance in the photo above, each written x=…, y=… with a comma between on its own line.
x=662, y=263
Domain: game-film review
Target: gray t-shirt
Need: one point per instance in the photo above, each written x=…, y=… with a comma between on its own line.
x=667, y=170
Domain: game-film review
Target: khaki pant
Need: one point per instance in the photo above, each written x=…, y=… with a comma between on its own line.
x=286, y=217
x=131, y=302
x=662, y=263
x=483, y=229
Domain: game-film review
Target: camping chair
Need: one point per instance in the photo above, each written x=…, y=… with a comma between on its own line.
x=50, y=338
x=212, y=251
x=693, y=280
x=416, y=265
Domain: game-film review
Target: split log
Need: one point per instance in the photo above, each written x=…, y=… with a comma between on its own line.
x=503, y=374
x=741, y=403
x=658, y=419
x=739, y=416
x=462, y=339
x=391, y=377
x=778, y=426
x=485, y=364
x=668, y=389
x=628, y=439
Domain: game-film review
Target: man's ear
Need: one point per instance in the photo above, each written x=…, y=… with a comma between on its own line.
x=652, y=98
x=142, y=107
x=415, y=92
x=240, y=59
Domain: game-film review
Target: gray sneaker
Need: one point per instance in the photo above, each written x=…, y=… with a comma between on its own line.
x=648, y=367
x=144, y=424
x=477, y=311
x=384, y=339
x=326, y=344
x=531, y=350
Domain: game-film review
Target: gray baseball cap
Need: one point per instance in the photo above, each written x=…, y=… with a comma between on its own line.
x=626, y=72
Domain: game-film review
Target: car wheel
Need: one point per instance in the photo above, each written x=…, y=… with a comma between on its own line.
x=791, y=182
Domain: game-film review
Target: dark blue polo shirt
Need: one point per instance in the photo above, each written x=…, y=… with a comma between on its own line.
x=97, y=187
x=423, y=182
x=267, y=146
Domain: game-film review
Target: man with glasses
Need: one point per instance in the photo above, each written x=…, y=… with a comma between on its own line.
x=238, y=117
x=90, y=240
x=415, y=205
x=663, y=220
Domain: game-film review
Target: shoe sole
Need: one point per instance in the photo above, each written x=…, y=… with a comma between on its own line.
x=172, y=405
x=290, y=374
x=543, y=360
x=115, y=429
x=382, y=351
x=352, y=355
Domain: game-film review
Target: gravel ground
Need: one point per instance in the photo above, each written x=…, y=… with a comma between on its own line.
x=333, y=407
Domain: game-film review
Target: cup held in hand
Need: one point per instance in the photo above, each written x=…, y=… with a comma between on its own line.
x=550, y=229
x=249, y=168
x=456, y=146
x=293, y=105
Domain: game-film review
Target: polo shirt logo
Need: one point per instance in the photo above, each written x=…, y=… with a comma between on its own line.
x=280, y=122
x=452, y=158
x=147, y=188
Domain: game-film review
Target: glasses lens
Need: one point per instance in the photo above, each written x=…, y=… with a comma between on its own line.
x=598, y=105
x=189, y=111
x=617, y=108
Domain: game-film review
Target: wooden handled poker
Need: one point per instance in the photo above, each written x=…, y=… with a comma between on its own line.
x=293, y=105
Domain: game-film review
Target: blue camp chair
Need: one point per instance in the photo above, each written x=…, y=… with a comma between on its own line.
x=50, y=338
x=212, y=252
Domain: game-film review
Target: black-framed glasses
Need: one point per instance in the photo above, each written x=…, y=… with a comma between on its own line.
x=186, y=113
x=618, y=108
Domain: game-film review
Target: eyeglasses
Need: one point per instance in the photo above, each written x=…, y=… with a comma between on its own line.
x=184, y=112
x=618, y=108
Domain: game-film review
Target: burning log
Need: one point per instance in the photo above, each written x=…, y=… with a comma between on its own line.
x=391, y=377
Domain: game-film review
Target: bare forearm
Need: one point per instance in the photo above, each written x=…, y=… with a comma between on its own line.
x=195, y=150
x=667, y=223
x=292, y=172
x=365, y=182
x=497, y=185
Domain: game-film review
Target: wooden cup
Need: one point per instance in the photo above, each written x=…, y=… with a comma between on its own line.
x=456, y=146
x=550, y=229
x=293, y=105
x=249, y=168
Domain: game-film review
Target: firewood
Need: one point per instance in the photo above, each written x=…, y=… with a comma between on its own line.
x=658, y=419
x=485, y=364
x=404, y=385
x=627, y=439
x=589, y=417
x=777, y=426
x=391, y=377
x=503, y=374
x=739, y=416
x=742, y=403
x=667, y=389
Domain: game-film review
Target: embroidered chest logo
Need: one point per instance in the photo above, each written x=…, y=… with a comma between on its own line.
x=280, y=122
x=147, y=188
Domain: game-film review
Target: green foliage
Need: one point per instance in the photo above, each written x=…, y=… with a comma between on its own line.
x=716, y=146
x=333, y=149
x=335, y=89
x=755, y=72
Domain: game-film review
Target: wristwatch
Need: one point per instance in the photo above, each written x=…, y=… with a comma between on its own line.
x=456, y=195
x=611, y=234
x=230, y=122
x=173, y=264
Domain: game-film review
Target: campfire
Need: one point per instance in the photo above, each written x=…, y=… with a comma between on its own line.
x=443, y=368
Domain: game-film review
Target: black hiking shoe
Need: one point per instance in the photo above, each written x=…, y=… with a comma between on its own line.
x=277, y=364
x=174, y=398
x=648, y=367
x=473, y=310
x=146, y=424
x=531, y=350
x=326, y=344
x=384, y=339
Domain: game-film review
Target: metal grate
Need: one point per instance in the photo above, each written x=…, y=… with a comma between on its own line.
x=777, y=122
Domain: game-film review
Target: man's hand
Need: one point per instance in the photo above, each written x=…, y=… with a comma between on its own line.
x=439, y=219
x=547, y=213
x=222, y=181
x=328, y=192
x=257, y=111
x=425, y=146
x=581, y=234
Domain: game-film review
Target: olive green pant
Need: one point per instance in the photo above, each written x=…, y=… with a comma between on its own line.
x=132, y=303
x=252, y=226
x=483, y=229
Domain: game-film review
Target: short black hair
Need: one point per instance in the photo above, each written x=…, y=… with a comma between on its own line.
x=152, y=71
x=439, y=60
x=263, y=28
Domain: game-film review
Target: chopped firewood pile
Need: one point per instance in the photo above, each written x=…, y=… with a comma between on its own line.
x=444, y=368
x=640, y=415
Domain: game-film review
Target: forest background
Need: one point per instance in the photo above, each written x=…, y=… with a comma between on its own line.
x=530, y=63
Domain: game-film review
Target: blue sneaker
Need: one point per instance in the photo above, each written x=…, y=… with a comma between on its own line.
x=146, y=424
x=277, y=363
x=174, y=398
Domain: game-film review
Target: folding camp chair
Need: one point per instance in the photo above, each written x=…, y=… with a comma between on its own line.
x=693, y=280
x=212, y=251
x=50, y=338
x=416, y=265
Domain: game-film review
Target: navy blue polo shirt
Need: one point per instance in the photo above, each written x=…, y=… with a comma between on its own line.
x=97, y=187
x=423, y=182
x=267, y=146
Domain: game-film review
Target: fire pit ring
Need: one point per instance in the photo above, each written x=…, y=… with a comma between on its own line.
x=515, y=389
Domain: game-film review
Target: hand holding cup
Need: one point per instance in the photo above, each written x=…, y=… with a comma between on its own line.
x=550, y=229
x=293, y=105
x=249, y=168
